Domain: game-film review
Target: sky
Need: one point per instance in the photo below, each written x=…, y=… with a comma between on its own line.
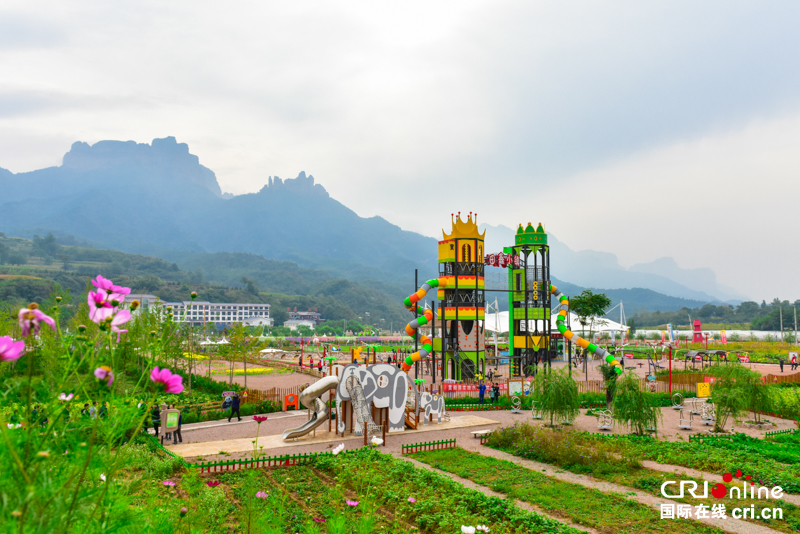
x=645, y=129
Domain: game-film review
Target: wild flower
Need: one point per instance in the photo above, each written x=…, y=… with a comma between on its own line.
x=65, y=397
x=352, y=503
x=212, y=483
x=482, y=528
x=10, y=350
x=104, y=372
x=467, y=530
x=412, y=500
x=168, y=483
x=112, y=319
x=262, y=495
x=108, y=286
x=172, y=383
x=339, y=448
x=103, y=477
x=259, y=418
x=376, y=441
x=184, y=511
x=31, y=318
x=319, y=519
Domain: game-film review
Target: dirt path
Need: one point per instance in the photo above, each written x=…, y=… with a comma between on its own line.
x=487, y=491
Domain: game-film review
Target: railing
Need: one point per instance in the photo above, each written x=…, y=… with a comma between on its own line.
x=429, y=446
x=243, y=463
x=475, y=407
x=779, y=432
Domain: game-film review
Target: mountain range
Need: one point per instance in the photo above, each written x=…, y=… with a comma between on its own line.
x=157, y=199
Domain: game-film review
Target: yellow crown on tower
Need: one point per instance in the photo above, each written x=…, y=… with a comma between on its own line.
x=464, y=230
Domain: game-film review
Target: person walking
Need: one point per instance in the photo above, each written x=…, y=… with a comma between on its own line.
x=320, y=366
x=156, y=418
x=794, y=362
x=780, y=361
x=235, y=408
x=176, y=434
x=481, y=392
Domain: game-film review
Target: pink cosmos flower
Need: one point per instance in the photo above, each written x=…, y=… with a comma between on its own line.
x=104, y=372
x=108, y=286
x=101, y=300
x=262, y=495
x=412, y=499
x=65, y=397
x=212, y=483
x=30, y=318
x=168, y=483
x=352, y=503
x=10, y=350
x=259, y=418
x=172, y=383
x=113, y=318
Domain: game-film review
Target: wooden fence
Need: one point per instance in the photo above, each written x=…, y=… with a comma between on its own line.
x=429, y=446
x=242, y=463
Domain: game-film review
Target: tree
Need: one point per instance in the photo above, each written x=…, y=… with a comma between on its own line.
x=632, y=326
x=250, y=286
x=588, y=307
x=633, y=408
x=556, y=394
x=729, y=392
x=610, y=377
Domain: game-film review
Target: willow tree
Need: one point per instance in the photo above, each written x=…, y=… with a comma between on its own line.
x=635, y=408
x=556, y=393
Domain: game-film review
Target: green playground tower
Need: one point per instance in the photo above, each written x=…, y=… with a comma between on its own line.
x=529, y=329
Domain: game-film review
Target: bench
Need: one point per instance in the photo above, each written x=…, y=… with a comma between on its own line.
x=481, y=433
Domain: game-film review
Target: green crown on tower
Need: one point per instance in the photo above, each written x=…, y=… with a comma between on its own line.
x=530, y=235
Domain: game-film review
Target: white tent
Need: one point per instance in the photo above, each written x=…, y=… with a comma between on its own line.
x=498, y=322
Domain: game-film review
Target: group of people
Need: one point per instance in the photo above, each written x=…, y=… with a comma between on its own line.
x=494, y=392
x=792, y=361
x=311, y=363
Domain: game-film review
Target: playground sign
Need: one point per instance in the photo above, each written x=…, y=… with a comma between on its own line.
x=228, y=394
x=502, y=260
x=703, y=389
x=171, y=418
x=466, y=388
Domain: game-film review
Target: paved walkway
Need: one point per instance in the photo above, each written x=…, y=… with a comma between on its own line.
x=323, y=436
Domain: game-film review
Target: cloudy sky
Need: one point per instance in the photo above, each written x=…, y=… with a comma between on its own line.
x=643, y=129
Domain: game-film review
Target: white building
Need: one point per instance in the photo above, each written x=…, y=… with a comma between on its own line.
x=294, y=323
x=204, y=312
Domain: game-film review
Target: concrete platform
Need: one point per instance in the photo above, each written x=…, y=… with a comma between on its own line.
x=269, y=443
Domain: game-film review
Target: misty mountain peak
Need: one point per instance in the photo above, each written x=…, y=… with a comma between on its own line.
x=301, y=185
x=164, y=159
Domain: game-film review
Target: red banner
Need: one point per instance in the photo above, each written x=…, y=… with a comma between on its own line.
x=466, y=388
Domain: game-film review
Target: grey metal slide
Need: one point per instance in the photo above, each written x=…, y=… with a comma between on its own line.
x=321, y=410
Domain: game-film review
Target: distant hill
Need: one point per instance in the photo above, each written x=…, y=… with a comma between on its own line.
x=29, y=270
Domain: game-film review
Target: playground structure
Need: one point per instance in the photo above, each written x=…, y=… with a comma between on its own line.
x=365, y=393
x=461, y=292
